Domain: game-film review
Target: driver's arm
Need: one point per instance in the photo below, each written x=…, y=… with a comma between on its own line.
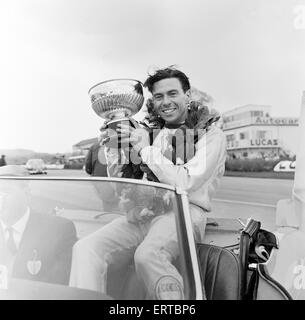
x=209, y=157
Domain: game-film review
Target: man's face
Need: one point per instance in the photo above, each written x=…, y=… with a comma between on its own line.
x=170, y=101
x=13, y=200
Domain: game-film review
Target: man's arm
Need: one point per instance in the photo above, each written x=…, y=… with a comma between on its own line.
x=57, y=236
x=89, y=165
x=210, y=156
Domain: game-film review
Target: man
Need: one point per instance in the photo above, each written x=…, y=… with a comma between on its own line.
x=95, y=160
x=199, y=175
x=96, y=166
x=33, y=246
x=2, y=160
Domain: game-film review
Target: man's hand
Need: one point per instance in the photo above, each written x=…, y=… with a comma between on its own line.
x=109, y=137
x=139, y=214
x=104, y=133
x=138, y=137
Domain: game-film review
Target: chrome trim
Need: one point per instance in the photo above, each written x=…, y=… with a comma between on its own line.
x=107, y=179
x=180, y=191
x=200, y=295
x=263, y=272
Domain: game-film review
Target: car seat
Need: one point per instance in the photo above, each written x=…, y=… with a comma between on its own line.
x=257, y=284
x=220, y=271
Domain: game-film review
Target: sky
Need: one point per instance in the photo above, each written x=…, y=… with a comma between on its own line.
x=52, y=51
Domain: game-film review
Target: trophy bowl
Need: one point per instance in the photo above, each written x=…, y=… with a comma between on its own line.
x=117, y=100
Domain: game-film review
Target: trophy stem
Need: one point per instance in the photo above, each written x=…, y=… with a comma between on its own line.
x=113, y=121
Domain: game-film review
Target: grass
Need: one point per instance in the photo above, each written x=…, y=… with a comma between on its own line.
x=266, y=175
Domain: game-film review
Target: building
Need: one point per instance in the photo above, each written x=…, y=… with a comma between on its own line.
x=82, y=147
x=252, y=132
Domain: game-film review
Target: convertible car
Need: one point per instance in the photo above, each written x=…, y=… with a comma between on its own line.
x=243, y=262
x=231, y=270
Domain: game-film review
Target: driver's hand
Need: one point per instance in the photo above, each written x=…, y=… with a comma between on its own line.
x=145, y=215
x=104, y=132
x=135, y=123
x=138, y=137
x=108, y=137
x=138, y=214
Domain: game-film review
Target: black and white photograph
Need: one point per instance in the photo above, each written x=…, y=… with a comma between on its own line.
x=152, y=150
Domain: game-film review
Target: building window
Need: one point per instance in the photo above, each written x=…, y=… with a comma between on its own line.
x=229, y=119
x=245, y=154
x=230, y=137
x=261, y=134
x=257, y=113
x=243, y=135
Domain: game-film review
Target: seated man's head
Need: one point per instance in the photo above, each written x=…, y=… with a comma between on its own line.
x=170, y=89
x=13, y=194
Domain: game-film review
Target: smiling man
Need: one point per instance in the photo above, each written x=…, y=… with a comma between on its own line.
x=154, y=238
x=170, y=100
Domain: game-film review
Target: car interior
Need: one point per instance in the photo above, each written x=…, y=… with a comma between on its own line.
x=226, y=275
x=230, y=276
x=233, y=272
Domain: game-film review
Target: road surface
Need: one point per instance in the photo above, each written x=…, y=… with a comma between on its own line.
x=250, y=197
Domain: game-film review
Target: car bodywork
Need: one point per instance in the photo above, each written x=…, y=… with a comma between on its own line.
x=209, y=271
x=90, y=203
x=285, y=166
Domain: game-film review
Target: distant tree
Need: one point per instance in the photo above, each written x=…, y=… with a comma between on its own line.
x=2, y=161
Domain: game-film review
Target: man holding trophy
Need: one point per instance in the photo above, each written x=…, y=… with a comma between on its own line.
x=194, y=163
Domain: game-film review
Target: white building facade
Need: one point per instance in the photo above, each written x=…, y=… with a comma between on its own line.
x=83, y=146
x=252, y=133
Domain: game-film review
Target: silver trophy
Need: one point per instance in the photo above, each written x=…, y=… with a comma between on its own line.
x=117, y=100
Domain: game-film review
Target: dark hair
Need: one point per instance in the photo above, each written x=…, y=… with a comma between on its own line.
x=169, y=72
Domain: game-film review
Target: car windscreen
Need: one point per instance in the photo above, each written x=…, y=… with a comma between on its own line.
x=115, y=237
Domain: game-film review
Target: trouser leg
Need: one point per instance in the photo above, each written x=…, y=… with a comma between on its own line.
x=153, y=260
x=154, y=257
x=199, y=220
x=113, y=243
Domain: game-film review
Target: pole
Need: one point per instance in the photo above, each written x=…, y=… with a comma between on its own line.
x=298, y=192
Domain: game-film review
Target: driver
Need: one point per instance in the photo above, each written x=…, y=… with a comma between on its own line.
x=154, y=241
x=33, y=245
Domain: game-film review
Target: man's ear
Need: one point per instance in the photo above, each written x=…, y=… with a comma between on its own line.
x=188, y=94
